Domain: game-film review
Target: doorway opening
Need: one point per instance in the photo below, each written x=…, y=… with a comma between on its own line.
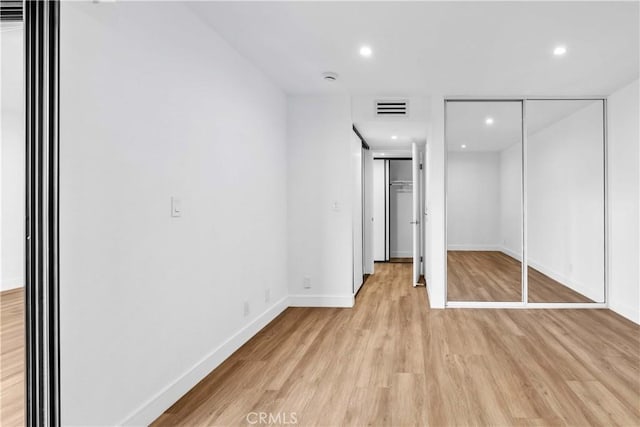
x=391, y=176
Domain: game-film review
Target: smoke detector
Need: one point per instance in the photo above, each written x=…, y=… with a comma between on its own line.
x=330, y=76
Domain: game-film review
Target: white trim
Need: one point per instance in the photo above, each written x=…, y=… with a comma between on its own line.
x=562, y=279
x=569, y=305
x=520, y=304
x=628, y=311
x=161, y=401
x=485, y=304
x=401, y=254
x=473, y=247
x=511, y=253
x=12, y=283
x=341, y=301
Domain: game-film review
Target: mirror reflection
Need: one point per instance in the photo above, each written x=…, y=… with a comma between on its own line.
x=565, y=201
x=484, y=200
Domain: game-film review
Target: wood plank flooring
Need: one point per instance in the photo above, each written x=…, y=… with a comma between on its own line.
x=495, y=276
x=12, y=358
x=391, y=361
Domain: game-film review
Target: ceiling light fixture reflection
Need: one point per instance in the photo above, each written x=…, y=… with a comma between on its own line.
x=366, y=51
x=489, y=120
x=394, y=137
x=463, y=146
x=560, y=50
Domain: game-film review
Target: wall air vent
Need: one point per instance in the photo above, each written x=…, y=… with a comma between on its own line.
x=392, y=108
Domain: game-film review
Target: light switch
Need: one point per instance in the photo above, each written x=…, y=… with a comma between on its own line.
x=176, y=207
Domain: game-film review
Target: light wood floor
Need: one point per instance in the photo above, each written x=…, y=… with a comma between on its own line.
x=12, y=358
x=494, y=276
x=391, y=361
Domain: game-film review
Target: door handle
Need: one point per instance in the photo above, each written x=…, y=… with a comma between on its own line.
x=414, y=222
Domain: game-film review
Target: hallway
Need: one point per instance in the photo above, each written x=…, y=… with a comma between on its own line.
x=392, y=361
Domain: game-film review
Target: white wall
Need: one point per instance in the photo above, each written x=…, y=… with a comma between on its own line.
x=435, y=206
x=511, y=201
x=319, y=209
x=565, y=199
x=357, y=210
x=12, y=160
x=624, y=189
x=473, y=200
x=400, y=210
x=150, y=303
x=379, y=210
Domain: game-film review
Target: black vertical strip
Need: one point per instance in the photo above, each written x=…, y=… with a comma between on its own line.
x=42, y=255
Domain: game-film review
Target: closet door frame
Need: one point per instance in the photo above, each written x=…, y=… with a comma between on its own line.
x=524, y=303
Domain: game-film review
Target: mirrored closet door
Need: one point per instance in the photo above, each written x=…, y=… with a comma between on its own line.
x=484, y=201
x=541, y=199
x=565, y=188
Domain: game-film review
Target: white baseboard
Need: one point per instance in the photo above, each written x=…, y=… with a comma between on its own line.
x=166, y=397
x=511, y=253
x=407, y=254
x=464, y=247
x=344, y=301
x=11, y=283
x=628, y=311
x=558, y=277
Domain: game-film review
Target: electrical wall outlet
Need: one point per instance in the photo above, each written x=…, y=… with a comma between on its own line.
x=306, y=282
x=267, y=295
x=246, y=308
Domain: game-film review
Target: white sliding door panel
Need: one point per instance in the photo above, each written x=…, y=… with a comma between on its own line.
x=356, y=181
x=368, y=211
x=379, y=210
x=415, y=211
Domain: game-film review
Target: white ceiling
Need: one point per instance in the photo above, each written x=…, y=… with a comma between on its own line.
x=466, y=122
x=378, y=134
x=449, y=48
x=466, y=125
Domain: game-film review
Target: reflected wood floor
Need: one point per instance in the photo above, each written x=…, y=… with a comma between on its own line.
x=12, y=358
x=495, y=276
x=391, y=361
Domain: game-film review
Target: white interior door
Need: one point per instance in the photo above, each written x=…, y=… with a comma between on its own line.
x=356, y=155
x=415, y=211
x=379, y=184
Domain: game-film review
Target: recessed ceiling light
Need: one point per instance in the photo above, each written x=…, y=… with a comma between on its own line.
x=394, y=137
x=366, y=51
x=463, y=146
x=560, y=50
x=489, y=120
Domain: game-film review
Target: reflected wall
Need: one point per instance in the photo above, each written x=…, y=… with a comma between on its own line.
x=565, y=201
